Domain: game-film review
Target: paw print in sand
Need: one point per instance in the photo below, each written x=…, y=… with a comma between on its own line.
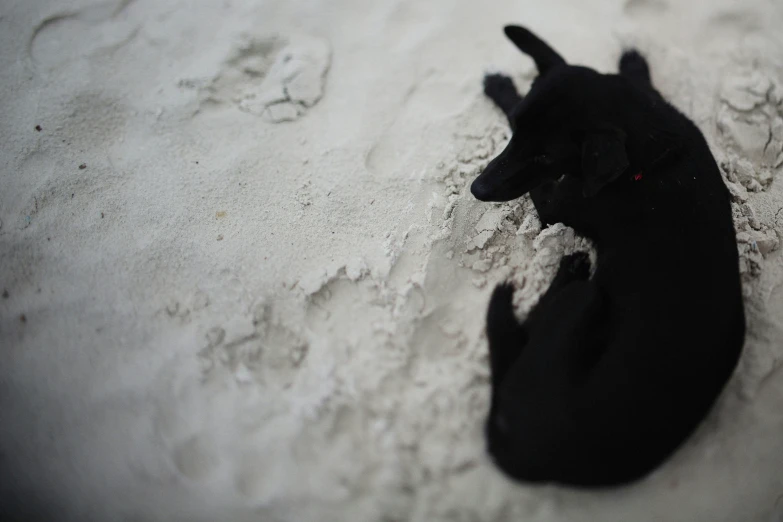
x=262, y=351
x=750, y=125
x=276, y=78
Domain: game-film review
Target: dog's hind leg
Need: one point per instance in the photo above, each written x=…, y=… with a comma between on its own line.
x=530, y=430
x=507, y=336
x=501, y=90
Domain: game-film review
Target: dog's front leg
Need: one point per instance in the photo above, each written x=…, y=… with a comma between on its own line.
x=634, y=66
x=562, y=202
x=556, y=201
x=501, y=90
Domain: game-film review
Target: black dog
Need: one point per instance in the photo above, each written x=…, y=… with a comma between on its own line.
x=610, y=374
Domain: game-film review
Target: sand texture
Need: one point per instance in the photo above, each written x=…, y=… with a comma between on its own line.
x=243, y=278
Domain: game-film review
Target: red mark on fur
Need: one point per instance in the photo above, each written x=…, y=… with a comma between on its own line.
x=637, y=177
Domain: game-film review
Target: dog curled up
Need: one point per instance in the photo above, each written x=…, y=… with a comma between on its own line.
x=609, y=374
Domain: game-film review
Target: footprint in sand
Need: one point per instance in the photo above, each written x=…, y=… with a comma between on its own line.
x=258, y=350
x=750, y=125
x=276, y=78
x=60, y=37
x=196, y=457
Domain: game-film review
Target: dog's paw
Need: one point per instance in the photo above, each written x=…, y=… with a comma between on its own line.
x=500, y=313
x=501, y=298
x=503, y=329
x=498, y=85
x=576, y=265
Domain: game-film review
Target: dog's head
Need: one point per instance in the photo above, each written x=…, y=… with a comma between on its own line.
x=567, y=124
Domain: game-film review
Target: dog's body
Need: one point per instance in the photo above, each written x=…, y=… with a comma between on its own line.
x=609, y=374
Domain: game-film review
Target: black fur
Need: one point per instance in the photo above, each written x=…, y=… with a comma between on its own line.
x=609, y=375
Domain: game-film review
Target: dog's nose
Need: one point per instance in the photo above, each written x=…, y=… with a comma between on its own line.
x=480, y=190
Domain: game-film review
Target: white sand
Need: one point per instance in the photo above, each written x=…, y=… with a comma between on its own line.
x=228, y=318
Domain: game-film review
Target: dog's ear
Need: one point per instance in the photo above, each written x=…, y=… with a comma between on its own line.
x=530, y=44
x=603, y=158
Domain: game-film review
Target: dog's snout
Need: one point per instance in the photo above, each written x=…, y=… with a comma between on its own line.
x=479, y=190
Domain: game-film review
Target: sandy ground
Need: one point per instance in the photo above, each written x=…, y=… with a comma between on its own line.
x=243, y=278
